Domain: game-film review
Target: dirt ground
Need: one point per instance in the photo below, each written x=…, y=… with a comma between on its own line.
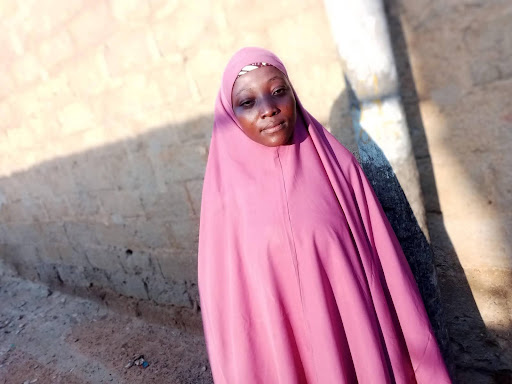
x=48, y=336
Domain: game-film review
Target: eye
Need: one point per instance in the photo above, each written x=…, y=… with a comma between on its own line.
x=279, y=91
x=246, y=103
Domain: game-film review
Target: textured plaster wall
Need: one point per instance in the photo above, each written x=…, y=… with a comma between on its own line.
x=455, y=64
x=105, y=116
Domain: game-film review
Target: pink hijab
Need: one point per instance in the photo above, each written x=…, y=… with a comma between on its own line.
x=301, y=277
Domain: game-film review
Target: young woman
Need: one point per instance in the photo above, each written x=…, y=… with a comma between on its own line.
x=301, y=277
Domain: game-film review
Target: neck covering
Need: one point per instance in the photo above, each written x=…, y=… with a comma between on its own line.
x=301, y=277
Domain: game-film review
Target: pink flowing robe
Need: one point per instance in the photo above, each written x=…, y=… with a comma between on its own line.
x=301, y=277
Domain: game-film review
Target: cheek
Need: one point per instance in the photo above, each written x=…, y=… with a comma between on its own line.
x=290, y=110
x=246, y=121
x=288, y=104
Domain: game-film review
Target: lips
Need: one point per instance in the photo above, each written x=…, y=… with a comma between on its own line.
x=273, y=128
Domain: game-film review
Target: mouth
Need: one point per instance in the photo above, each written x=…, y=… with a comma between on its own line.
x=273, y=128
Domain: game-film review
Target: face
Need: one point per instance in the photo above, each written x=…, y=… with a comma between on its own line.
x=264, y=104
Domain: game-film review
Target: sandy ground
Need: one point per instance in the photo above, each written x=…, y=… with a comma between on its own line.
x=48, y=336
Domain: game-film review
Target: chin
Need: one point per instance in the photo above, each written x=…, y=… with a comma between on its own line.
x=281, y=139
x=273, y=144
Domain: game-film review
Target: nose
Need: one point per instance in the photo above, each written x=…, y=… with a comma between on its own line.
x=268, y=108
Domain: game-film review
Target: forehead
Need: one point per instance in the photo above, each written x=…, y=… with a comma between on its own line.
x=257, y=78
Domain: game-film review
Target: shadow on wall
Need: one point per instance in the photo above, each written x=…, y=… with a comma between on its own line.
x=481, y=354
x=123, y=216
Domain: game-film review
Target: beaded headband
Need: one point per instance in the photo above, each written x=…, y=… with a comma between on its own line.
x=252, y=67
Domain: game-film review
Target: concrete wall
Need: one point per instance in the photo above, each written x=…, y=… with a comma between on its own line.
x=105, y=116
x=455, y=64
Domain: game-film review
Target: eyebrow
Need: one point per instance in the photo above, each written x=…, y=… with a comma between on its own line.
x=274, y=78
x=269, y=80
